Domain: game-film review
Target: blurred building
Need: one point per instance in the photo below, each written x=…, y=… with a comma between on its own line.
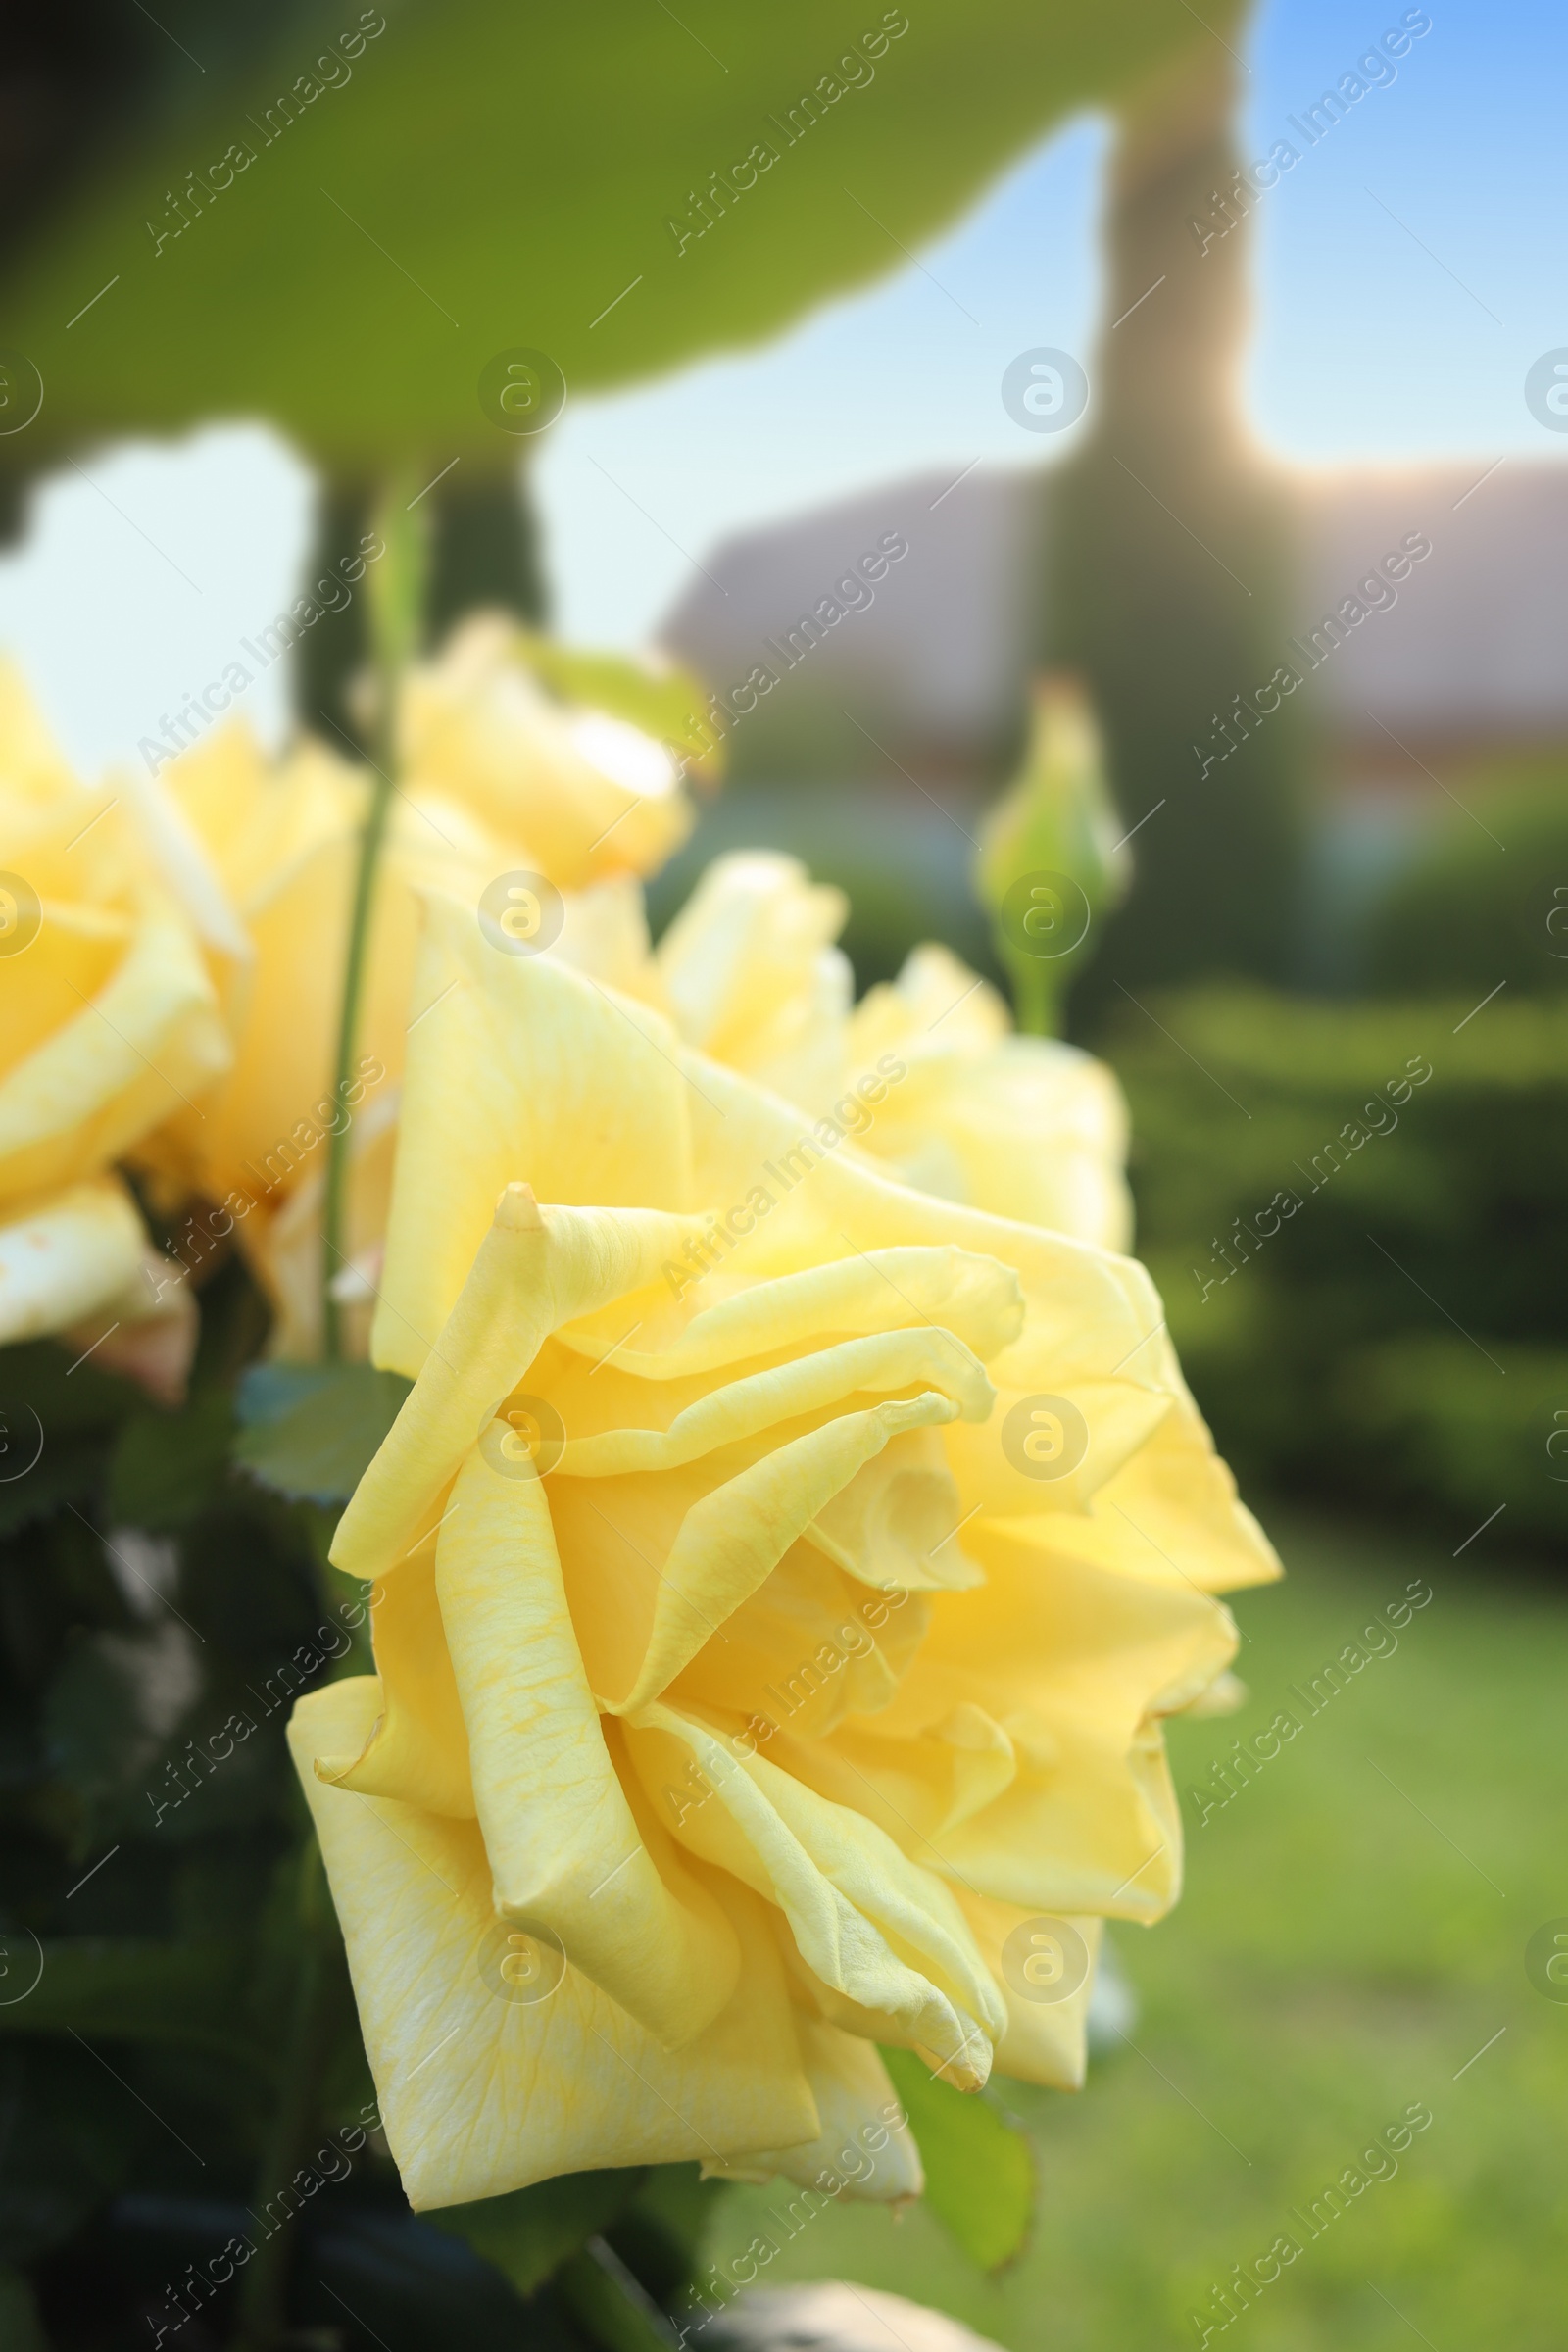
x=1456, y=659
x=1427, y=610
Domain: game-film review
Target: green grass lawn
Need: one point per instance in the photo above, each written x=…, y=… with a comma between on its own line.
x=1336, y=1957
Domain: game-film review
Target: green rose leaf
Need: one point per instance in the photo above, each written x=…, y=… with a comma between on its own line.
x=529, y=2233
x=979, y=2170
x=310, y=1431
x=165, y=1467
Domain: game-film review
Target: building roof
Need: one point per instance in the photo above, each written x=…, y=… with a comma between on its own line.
x=1470, y=651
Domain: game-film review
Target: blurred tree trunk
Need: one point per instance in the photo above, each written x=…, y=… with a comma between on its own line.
x=1168, y=556
x=484, y=550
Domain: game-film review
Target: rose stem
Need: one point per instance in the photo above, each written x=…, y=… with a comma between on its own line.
x=396, y=590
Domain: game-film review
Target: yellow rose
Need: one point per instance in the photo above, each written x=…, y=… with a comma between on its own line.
x=590, y=794
x=751, y=977
x=496, y=781
x=1025, y=1127
x=780, y=1577
x=282, y=839
x=108, y=1022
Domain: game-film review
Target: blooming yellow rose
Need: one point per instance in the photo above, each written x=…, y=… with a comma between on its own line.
x=495, y=780
x=588, y=793
x=108, y=1022
x=781, y=1576
x=1026, y=1127
x=751, y=974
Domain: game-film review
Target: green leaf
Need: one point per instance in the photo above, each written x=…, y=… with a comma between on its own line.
x=612, y=2306
x=484, y=177
x=108, y=1712
x=65, y=1472
x=310, y=1431
x=979, y=2168
x=166, y=1466
x=529, y=2233
x=667, y=705
x=74, y=1407
x=662, y=2231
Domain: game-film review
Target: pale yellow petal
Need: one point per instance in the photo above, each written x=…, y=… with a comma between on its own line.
x=867, y=1921
x=1078, y=1664
x=865, y=2150
x=417, y=1750
x=562, y=1842
x=134, y=1048
x=1047, y=2039
x=508, y=1032
x=532, y=1272
x=480, y=2095
x=66, y=1258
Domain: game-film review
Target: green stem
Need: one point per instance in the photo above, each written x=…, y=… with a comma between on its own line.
x=396, y=592
x=264, y=2294
x=335, y=1252
x=1035, y=986
x=614, y=2309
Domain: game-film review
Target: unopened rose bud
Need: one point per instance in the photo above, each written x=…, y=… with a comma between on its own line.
x=1051, y=862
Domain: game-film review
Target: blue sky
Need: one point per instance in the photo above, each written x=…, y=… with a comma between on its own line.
x=1410, y=269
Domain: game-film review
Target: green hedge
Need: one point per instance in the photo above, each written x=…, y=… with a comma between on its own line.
x=1486, y=899
x=1400, y=1334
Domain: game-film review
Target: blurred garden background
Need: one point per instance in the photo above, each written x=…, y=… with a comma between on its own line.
x=1210, y=369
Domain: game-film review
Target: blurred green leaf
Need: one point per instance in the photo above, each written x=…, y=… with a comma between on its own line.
x=667, y=705
x=183, y=1995
x=529, y=2233
x=310, y=1431
x=164, y=1466
x=979, y=2170
x=110, y=1709
x=72, y=1410
x=661, y=2232
x=415, y=2288
x=611, y=2305
x=481, y=177
x=64, y=1472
